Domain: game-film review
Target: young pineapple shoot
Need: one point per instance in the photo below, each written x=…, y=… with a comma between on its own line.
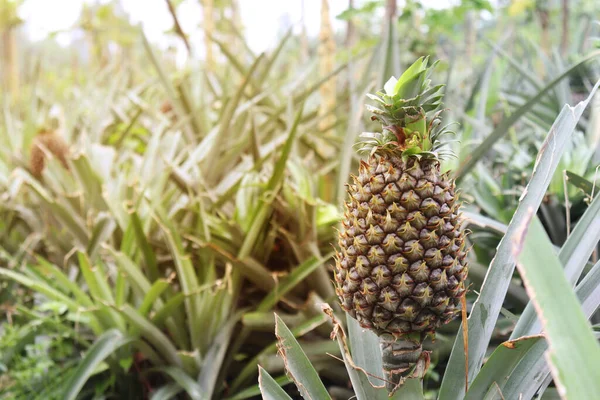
x=401, y=267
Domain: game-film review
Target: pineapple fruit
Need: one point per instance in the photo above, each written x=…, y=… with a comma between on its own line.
x=401, y=268
x=52, y=142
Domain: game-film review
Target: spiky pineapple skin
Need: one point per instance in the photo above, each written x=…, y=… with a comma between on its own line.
x=401, y=267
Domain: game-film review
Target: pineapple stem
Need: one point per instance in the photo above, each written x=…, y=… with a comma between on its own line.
x=403, y=359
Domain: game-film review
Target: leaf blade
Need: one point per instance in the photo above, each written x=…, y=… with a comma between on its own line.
x=269, y=388
x=297, y=363
x=103, y=347
x=574, y=352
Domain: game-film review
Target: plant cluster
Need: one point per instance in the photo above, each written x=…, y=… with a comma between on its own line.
x=154, y=217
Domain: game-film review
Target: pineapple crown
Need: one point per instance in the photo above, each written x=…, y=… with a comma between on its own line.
x=408, y=109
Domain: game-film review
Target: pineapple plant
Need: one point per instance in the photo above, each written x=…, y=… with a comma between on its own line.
x=401, y=267
x=382, y=352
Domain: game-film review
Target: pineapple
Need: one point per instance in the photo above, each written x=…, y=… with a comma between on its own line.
x=401, y=268
x=54, y=143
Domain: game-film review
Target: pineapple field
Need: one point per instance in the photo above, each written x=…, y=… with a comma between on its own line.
x=310, y=199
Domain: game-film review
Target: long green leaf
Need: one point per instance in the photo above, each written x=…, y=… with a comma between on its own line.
x=485, y=311
x=365, y=365
x=147, y=251
x=98, y=286
x=298, y=365
x=166, y=392
x=533, y=371
x=187, y=278
x=573, y=255
x=208, y=375
x=152, y=295
x=152, y=334
x=129, y=268
x=500, y=364
x=588, y=291
x=100, y=273
x=102, y=348
x=95, y=279
x=269, y=388
x=484, y=222
x=168, y=309
x=581, y=183
x=347, y=153
x=121, y=289
x=300, y=330
x=574, y=352
x=102, y=231
x=366, y=353
x=191, y=387
x=389, y=56
x=253, y=391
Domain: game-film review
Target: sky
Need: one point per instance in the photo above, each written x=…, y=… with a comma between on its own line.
x=260, y=17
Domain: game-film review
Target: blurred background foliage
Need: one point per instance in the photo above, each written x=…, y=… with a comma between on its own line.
x=156, y=212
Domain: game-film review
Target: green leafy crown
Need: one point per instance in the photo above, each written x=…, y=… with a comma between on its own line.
x=408, y=109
